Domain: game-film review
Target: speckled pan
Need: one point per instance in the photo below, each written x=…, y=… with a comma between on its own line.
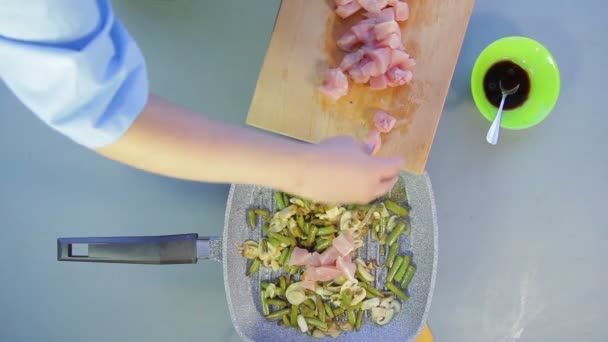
x=242, y=292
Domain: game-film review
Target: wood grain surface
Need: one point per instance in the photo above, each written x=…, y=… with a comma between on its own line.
x=303, y=46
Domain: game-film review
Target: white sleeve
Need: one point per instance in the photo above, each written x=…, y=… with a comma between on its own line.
x=74, y=65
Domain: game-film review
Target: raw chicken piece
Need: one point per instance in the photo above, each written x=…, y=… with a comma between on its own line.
x=397, y=76
x=373, y=6
x=378, y=82
x=386, y=15
x=315, y=260
x=393, y=41
x=299, y=257
x=383, y=30
x=374, y=141
x=384, y=122
x=401, y=59
x=335, y=84
x=309, y=284
x=371, y=69
x=381, y=58
x=322, y=273
x=345, y=11
x=346, y=267
x=364, y=30
x=348, y=41
x=357, y=74
x=343, y=2
x=344, y=244
x=328, y=257
x=351, y=60
x=402, y=11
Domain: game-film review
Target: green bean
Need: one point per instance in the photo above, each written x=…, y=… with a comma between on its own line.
x=316, y=323
x=339, y=311
x=286, y=321
x=308, y=312
x=371, y=290
x=300, y=221
x=261, y=212
x=356, y=307
x=329, y=311
x=283, y=256
x=318, y=222
x=394, y=235
x=328, y=230
x=404, y=265
x=322, y=244
x=309, y=303
x=284, y=239
x=274, y=242
x=352, y=319
x=392, y=253
x=312, y=234
x=255, y=266
x=409, y=274
x=265, y=308
x=277, y=302
x=251, y=219
x=394, y=289
x=277, y=314
x=265, y=285
x=396, y=208
x=278, y=197
x=266, y=228
x=347, y=297
x=306, y=230
x=296, y=231
x=286, y=199
x=288, y=257
x=393, y=270
x=359, y=320
x=294, y=315
x=321, y=308
x=283, y=283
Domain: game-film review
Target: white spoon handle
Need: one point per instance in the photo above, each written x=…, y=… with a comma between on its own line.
x=494, y=131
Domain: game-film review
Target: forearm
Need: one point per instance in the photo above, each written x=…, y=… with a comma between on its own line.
x=173, y=141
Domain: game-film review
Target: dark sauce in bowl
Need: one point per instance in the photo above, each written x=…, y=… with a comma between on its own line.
x=511, y=74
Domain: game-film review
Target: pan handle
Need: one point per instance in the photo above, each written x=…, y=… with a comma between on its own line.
x=158, y=250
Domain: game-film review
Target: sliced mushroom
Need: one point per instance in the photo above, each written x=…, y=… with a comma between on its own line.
x=318, y=334
x=359, y=294
x=250, y=249
x=279, y=220
x=271, y=291
x=382, y=315
x=364, y=271
x=295, y=294
x=370, y=303
x=302, y=324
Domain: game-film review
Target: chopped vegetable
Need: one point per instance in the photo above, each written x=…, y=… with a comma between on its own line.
x=394, y=235
x=278, y=197
x=409, y=274
x=352, y=319
x=251, y=219
x=317, y=323
x=404, y=265
x=326, y=230
x=255, y=266
x=359, y=320
x=265, y=308
x=294, y=314
x=277, y=314
x=392, y=253
x=394, y=289
x=277, y=302
x=396, y=208
x=394, y=268
x=302, y=324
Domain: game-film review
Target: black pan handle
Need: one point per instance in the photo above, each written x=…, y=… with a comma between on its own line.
x=157, y=250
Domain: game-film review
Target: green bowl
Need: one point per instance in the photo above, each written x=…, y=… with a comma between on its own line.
x=542, y=70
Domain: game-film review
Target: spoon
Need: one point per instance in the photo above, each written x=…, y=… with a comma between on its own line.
x=494, y=131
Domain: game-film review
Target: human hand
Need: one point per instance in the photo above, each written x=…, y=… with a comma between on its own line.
x=341, y=170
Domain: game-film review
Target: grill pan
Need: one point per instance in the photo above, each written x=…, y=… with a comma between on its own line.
x=243, y=293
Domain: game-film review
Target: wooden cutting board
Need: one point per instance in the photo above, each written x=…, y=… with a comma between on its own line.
x=303, y=45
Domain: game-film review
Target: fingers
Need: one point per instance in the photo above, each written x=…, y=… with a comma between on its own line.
x=387, y=168
x=386, y=185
